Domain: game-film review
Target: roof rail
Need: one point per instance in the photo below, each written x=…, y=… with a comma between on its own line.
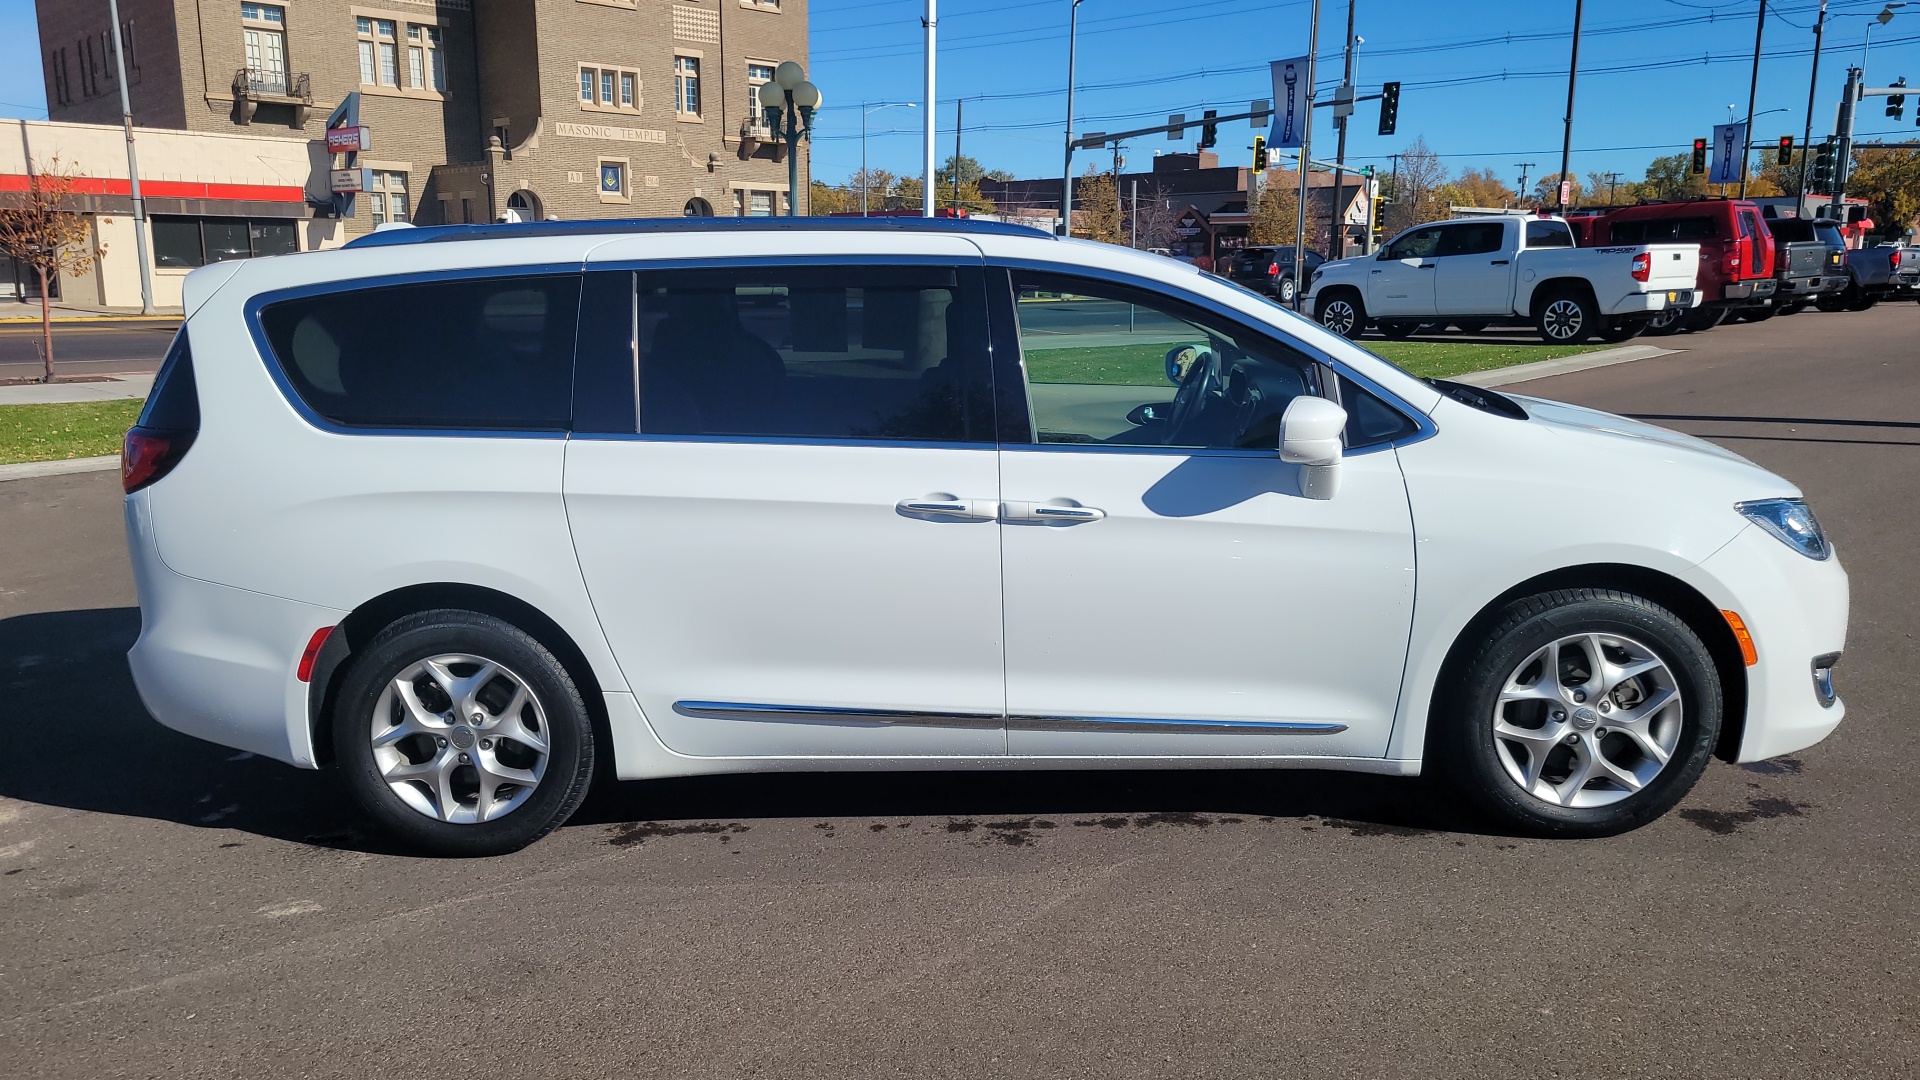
x=431, y=234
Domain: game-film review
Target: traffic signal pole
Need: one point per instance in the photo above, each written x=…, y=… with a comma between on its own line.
x=1336, y=225
x=1306, y=150
x=1843, y=159
x=1566, y=139
x=1813, y=87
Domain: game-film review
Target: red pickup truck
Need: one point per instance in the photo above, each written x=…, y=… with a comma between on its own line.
x=1736, y=252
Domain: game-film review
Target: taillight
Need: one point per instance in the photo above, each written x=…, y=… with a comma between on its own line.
x=1273, y=269
x=1642, y=266
x=1893, y=259
x=147, y=454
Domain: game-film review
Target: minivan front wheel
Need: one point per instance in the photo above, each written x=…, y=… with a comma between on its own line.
x=1583, y=712
x=459, y=734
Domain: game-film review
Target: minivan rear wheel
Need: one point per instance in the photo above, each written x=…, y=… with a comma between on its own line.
x=459, y=734
x=1580, y=713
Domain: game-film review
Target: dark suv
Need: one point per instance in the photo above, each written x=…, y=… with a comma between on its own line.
x=1270, y=270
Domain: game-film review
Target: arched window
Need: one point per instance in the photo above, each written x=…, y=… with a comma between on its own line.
x=697, y=207
x=527, y=203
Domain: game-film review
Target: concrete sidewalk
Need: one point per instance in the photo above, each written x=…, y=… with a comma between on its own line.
x=113, y=388
x=14, y=312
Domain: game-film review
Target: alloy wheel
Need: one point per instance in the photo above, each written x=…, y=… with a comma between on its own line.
x=1339, y=317
x=1286, y=290
x=1587, y=720
x=460, y=738
x=1563, y=320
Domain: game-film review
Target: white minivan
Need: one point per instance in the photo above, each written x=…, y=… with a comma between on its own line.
x=474, y=514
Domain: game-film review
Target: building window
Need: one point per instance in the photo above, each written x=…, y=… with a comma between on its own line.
x=263, y=26
x=387, y=199
x=765, y=5
x=379, y=51
x=426, y=70
x=83, y=51
x=186, y=242
x=750, y=203
x=58, y=75
x=609, y=88
x=613, y=180
x=436, y=60
x=759, y=73
x=686, y=85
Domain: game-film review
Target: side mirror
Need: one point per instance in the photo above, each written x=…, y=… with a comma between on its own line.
x=1182, y=359
x=1310, y=438
x=1149, y=413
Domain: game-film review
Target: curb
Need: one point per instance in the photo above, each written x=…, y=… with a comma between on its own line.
x=67, y=320
x=27, y=470
x=1565, y=365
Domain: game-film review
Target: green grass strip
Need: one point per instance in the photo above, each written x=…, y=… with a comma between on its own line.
x=1145, y=365
x=66, y=430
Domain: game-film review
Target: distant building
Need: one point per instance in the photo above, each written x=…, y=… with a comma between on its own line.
x=568, y=108
x=1198, y=207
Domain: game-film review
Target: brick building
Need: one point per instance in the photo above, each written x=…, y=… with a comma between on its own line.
x=566, y=108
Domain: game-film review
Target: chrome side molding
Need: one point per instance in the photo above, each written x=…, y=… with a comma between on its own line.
x=815, y=714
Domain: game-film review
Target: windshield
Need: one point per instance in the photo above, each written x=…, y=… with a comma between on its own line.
x=1270, y=302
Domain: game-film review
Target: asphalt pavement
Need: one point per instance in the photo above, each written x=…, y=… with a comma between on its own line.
x=175, y=908
x=84, y=347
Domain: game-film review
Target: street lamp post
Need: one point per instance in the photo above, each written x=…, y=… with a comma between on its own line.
x=1066, y=174
x=866, y=181
x=1866, y=42
x=790, y=102
x=133, y=166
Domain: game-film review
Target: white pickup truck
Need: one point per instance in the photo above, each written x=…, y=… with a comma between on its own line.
x=1514, y=269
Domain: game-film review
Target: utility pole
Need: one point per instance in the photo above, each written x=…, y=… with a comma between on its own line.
x=1843, y=155
x=133, y=165
x=1573, y=75
x=1613, y=179
x=931, y=21
x=1813, y=86
x=1336, y=226
x=1066, y=173
x=959, y=121
x=1524, y=166
x=1133, y=230
x=1753, y=93
x=1306, y=146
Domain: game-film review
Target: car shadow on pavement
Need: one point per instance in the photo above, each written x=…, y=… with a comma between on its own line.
x=78, y=737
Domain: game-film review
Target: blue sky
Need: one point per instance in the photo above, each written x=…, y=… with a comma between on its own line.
x=1485, y=82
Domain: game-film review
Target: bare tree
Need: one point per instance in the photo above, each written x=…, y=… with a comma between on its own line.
x=1415, y=188
x=40, y=228
x=1157, y=214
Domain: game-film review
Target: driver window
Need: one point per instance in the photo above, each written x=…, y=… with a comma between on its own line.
x=1418, y=244
x=1110, y=365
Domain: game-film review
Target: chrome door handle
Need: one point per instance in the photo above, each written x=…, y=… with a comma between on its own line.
x=939, y=504
x=1058, y=512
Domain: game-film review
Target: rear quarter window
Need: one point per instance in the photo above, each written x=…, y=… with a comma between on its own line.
x=483, y=353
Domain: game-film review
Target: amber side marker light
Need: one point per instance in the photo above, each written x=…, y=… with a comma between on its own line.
x=1742, y=635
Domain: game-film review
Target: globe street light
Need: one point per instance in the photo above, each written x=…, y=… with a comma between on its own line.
x=789, y=102
x=864, y=178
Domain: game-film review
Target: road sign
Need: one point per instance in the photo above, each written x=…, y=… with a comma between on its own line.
x=348, y=181
x=1260, y=113
x=1290, y=97
x=1566, y=192
x=1729, y=146
x=1177, y=127
x=1342, y=102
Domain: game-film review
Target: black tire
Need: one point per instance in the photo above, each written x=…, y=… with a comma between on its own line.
x=1861, y=301
x=1341, y=311
x=1758, y=314
x=1566, y=317
x=1462, y=742
x=1794, y=308
x=1471, y=326
x=1666, y=321
x=561, y=716
x=1396, y=329
x=1703, y=319
x=1619, y=328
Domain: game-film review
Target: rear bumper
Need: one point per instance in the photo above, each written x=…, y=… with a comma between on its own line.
x=1796, y=610
x=1746, y=291
x=1650, y=302
x=1807, y=286
x=220, y=663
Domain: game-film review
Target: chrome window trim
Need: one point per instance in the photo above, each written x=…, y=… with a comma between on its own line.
x=1424, y=425
x=271, y=360
x=817, y=714
x=777, y=440
x=730, y=262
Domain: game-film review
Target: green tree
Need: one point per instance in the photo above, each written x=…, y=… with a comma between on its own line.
x=1890, y=182
x=1275, y=215
x=823, y=199
x=1671, y=177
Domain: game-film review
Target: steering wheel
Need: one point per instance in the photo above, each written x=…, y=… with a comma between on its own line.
x=1187, y=402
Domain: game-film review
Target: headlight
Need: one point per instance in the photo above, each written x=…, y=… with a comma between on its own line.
x=1791, y=522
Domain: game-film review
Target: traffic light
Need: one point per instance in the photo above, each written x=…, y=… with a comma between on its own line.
x=1209, y=131
x=1379, y=216
x=1699, y=156
x=1260, y=153
x=1897, y=102
x=1785, y=156
x=1389, y=107
x=1822, y=179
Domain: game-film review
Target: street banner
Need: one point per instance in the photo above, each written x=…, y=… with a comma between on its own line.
x=1290, y=90
x=1729, y=146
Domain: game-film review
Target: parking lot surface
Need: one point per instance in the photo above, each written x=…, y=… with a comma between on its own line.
x=175, y=908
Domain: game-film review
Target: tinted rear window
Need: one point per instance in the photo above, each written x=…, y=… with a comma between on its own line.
x=1791, y=230
x=174, y=401
x=1549, y=234
x=483, y=353
x=1666, y=230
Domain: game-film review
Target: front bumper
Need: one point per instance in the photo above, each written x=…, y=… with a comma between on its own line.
x=1796, y=609
x=220, y=663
